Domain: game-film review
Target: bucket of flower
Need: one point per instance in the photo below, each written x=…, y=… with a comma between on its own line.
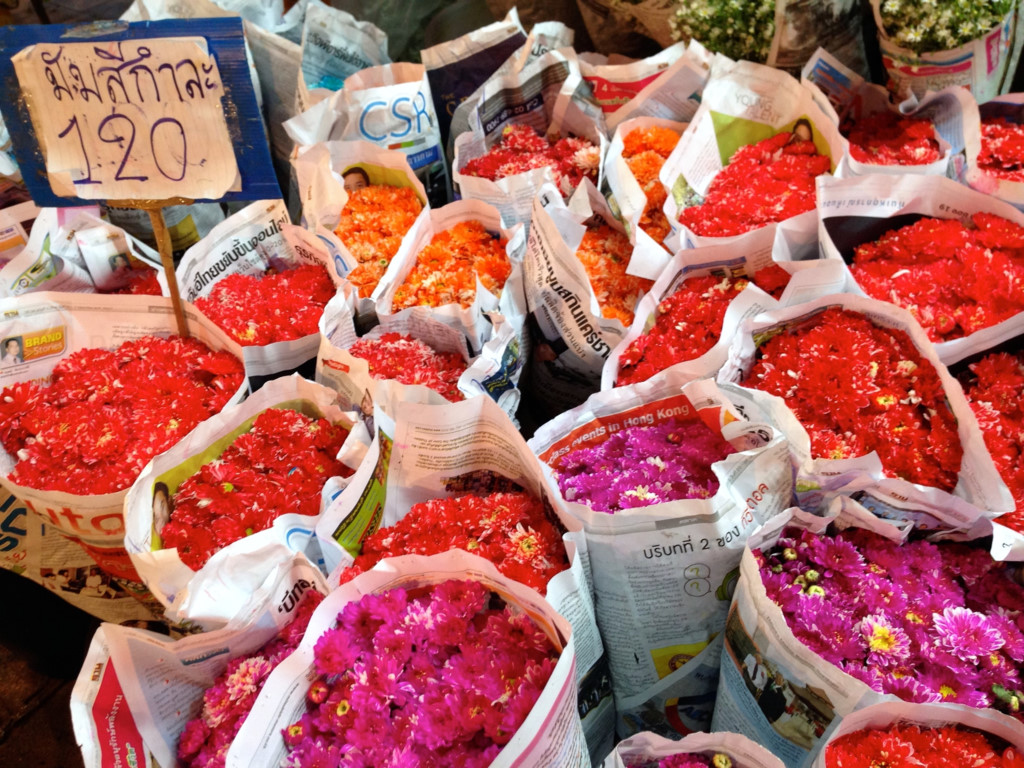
x=187, y=715
x=437, y=660
x=210, y=519
x=951, y=256
x=265, y=282
x=97, y=386
x=748, y=159
x=866, y=403
x=837, y=612
x=995, y=149
x=542, y=135
x=696, y=750
x=667, y=477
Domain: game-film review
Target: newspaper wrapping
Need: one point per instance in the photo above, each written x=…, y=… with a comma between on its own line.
x=571, y=337
x=664, y=573
x=51, y=326
x=550, y=96
x=980, y=65
x=643, y=749
x=550, y=736
x=473, y=320
x=137, y=689
x=320, y=171
x=256, y=239
x=427, y=451
x=951, y=111
x=742, y=103
x=979, y=484
x=811, y=278
x=854, y=211
x=211, y=596
x=458, y=67
x=1009, y=107
x=494, y=372
x=14, y=219
x=995, y=725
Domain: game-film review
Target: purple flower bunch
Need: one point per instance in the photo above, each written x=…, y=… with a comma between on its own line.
x=689, y=760
x=925, y=622
x=644, y=465
x=438, y=676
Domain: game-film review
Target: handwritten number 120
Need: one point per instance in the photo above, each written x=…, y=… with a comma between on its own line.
x=109, y=133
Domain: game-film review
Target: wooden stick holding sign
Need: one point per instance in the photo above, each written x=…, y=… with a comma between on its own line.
x=142, y=115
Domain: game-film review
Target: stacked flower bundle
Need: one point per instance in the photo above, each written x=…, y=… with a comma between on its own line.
x=769, y=181
x=645, y=151
x=954, y=279
x=888, y=138
x=512, y=530
x=373, y=223
x=443, y=675
x=996, y=394
x=205, y=741
x=447, y=269
x=889, y=399
x=276, y=306
x=925, y=622
x=410, y=361
x=643, y=465
x=605, y=253
x=106, y=413
x=1002, y=149
x=279, y=466
x=520, y=148
x=689, y=322
x=922, y=747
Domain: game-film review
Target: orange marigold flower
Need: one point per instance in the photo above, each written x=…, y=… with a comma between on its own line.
x=655, y=138
x=373, y=223
x=645, y=151
x=604, y=253
x=447, y=268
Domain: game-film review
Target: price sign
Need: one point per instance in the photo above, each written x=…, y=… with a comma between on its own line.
x=148, y=111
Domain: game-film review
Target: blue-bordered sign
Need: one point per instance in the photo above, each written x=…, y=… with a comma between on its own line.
x=145, y=111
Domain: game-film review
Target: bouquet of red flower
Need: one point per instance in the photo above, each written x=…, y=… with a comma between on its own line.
x=889, y=138
x=279, y=466
x=645, y=151
x=373, y=223
x=954, y=279
x=689, y=322
x=933, y=747
x=402, y=358
x=275, y=306
x=604, y=253
x=205, y=740
x=520, y=148
x=1002, y=149
x=512, y=530
x=769, y=181
x=106, y=413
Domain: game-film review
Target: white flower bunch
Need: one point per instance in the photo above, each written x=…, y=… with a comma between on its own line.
x=740, y=29
x=926, y=26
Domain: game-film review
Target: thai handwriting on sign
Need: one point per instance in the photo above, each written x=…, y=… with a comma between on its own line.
x=129, y=119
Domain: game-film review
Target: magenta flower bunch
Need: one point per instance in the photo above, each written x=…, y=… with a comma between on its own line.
x=644, y=465
x=690, y=760
x=443, y=675
x=923, y=621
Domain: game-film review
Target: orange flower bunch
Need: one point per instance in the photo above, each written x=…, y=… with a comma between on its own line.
x=373, y=223
x=645, y=150
x=604, y=253
x=447, y=268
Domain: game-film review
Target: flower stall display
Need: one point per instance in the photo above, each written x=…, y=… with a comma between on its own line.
x=387, y=656
x=208, y=519
x=948, y=43
x=644, y=468
x=265, y=282
x=895, y=415
x=453, y=267
x=96, y=387
x=411, y=353
x=949, y=255
x=688, y=318
x=459, y=459
x=547, y=132
x=995, y=149
x=695, y=750
x=927, y=735
x=740, y=169
x=189, y=712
